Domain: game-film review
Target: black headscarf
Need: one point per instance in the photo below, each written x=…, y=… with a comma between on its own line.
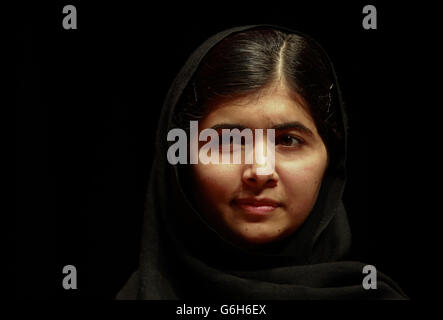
x=183, y=257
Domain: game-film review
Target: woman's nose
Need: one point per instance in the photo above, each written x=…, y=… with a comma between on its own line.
x=261, y=173
x=259, y=181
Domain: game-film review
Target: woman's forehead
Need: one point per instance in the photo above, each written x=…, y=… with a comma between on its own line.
x=266, y=110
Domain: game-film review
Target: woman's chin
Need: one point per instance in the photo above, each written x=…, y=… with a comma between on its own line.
x=257, y=237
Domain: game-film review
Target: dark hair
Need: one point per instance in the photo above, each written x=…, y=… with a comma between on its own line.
x=248, y=61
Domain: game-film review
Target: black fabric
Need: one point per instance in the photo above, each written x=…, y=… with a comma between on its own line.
x=183, y=257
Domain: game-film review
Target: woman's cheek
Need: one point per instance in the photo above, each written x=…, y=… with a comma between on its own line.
x=301, y=181
x=217, y=180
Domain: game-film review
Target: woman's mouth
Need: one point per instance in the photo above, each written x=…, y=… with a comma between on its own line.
x=256, y=206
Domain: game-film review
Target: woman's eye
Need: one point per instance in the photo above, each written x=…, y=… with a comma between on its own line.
x=289, y=140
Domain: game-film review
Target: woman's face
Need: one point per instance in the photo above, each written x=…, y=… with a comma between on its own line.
x=248, y=208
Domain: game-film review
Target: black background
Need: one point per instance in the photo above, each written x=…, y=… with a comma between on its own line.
x=87, y=104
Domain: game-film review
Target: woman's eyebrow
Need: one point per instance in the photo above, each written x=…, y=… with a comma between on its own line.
x=228, y=126
x=295, y=125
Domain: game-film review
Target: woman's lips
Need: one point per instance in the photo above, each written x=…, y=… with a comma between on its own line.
x=257, y=207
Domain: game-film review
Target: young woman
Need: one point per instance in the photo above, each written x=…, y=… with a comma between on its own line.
x=225, y=230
